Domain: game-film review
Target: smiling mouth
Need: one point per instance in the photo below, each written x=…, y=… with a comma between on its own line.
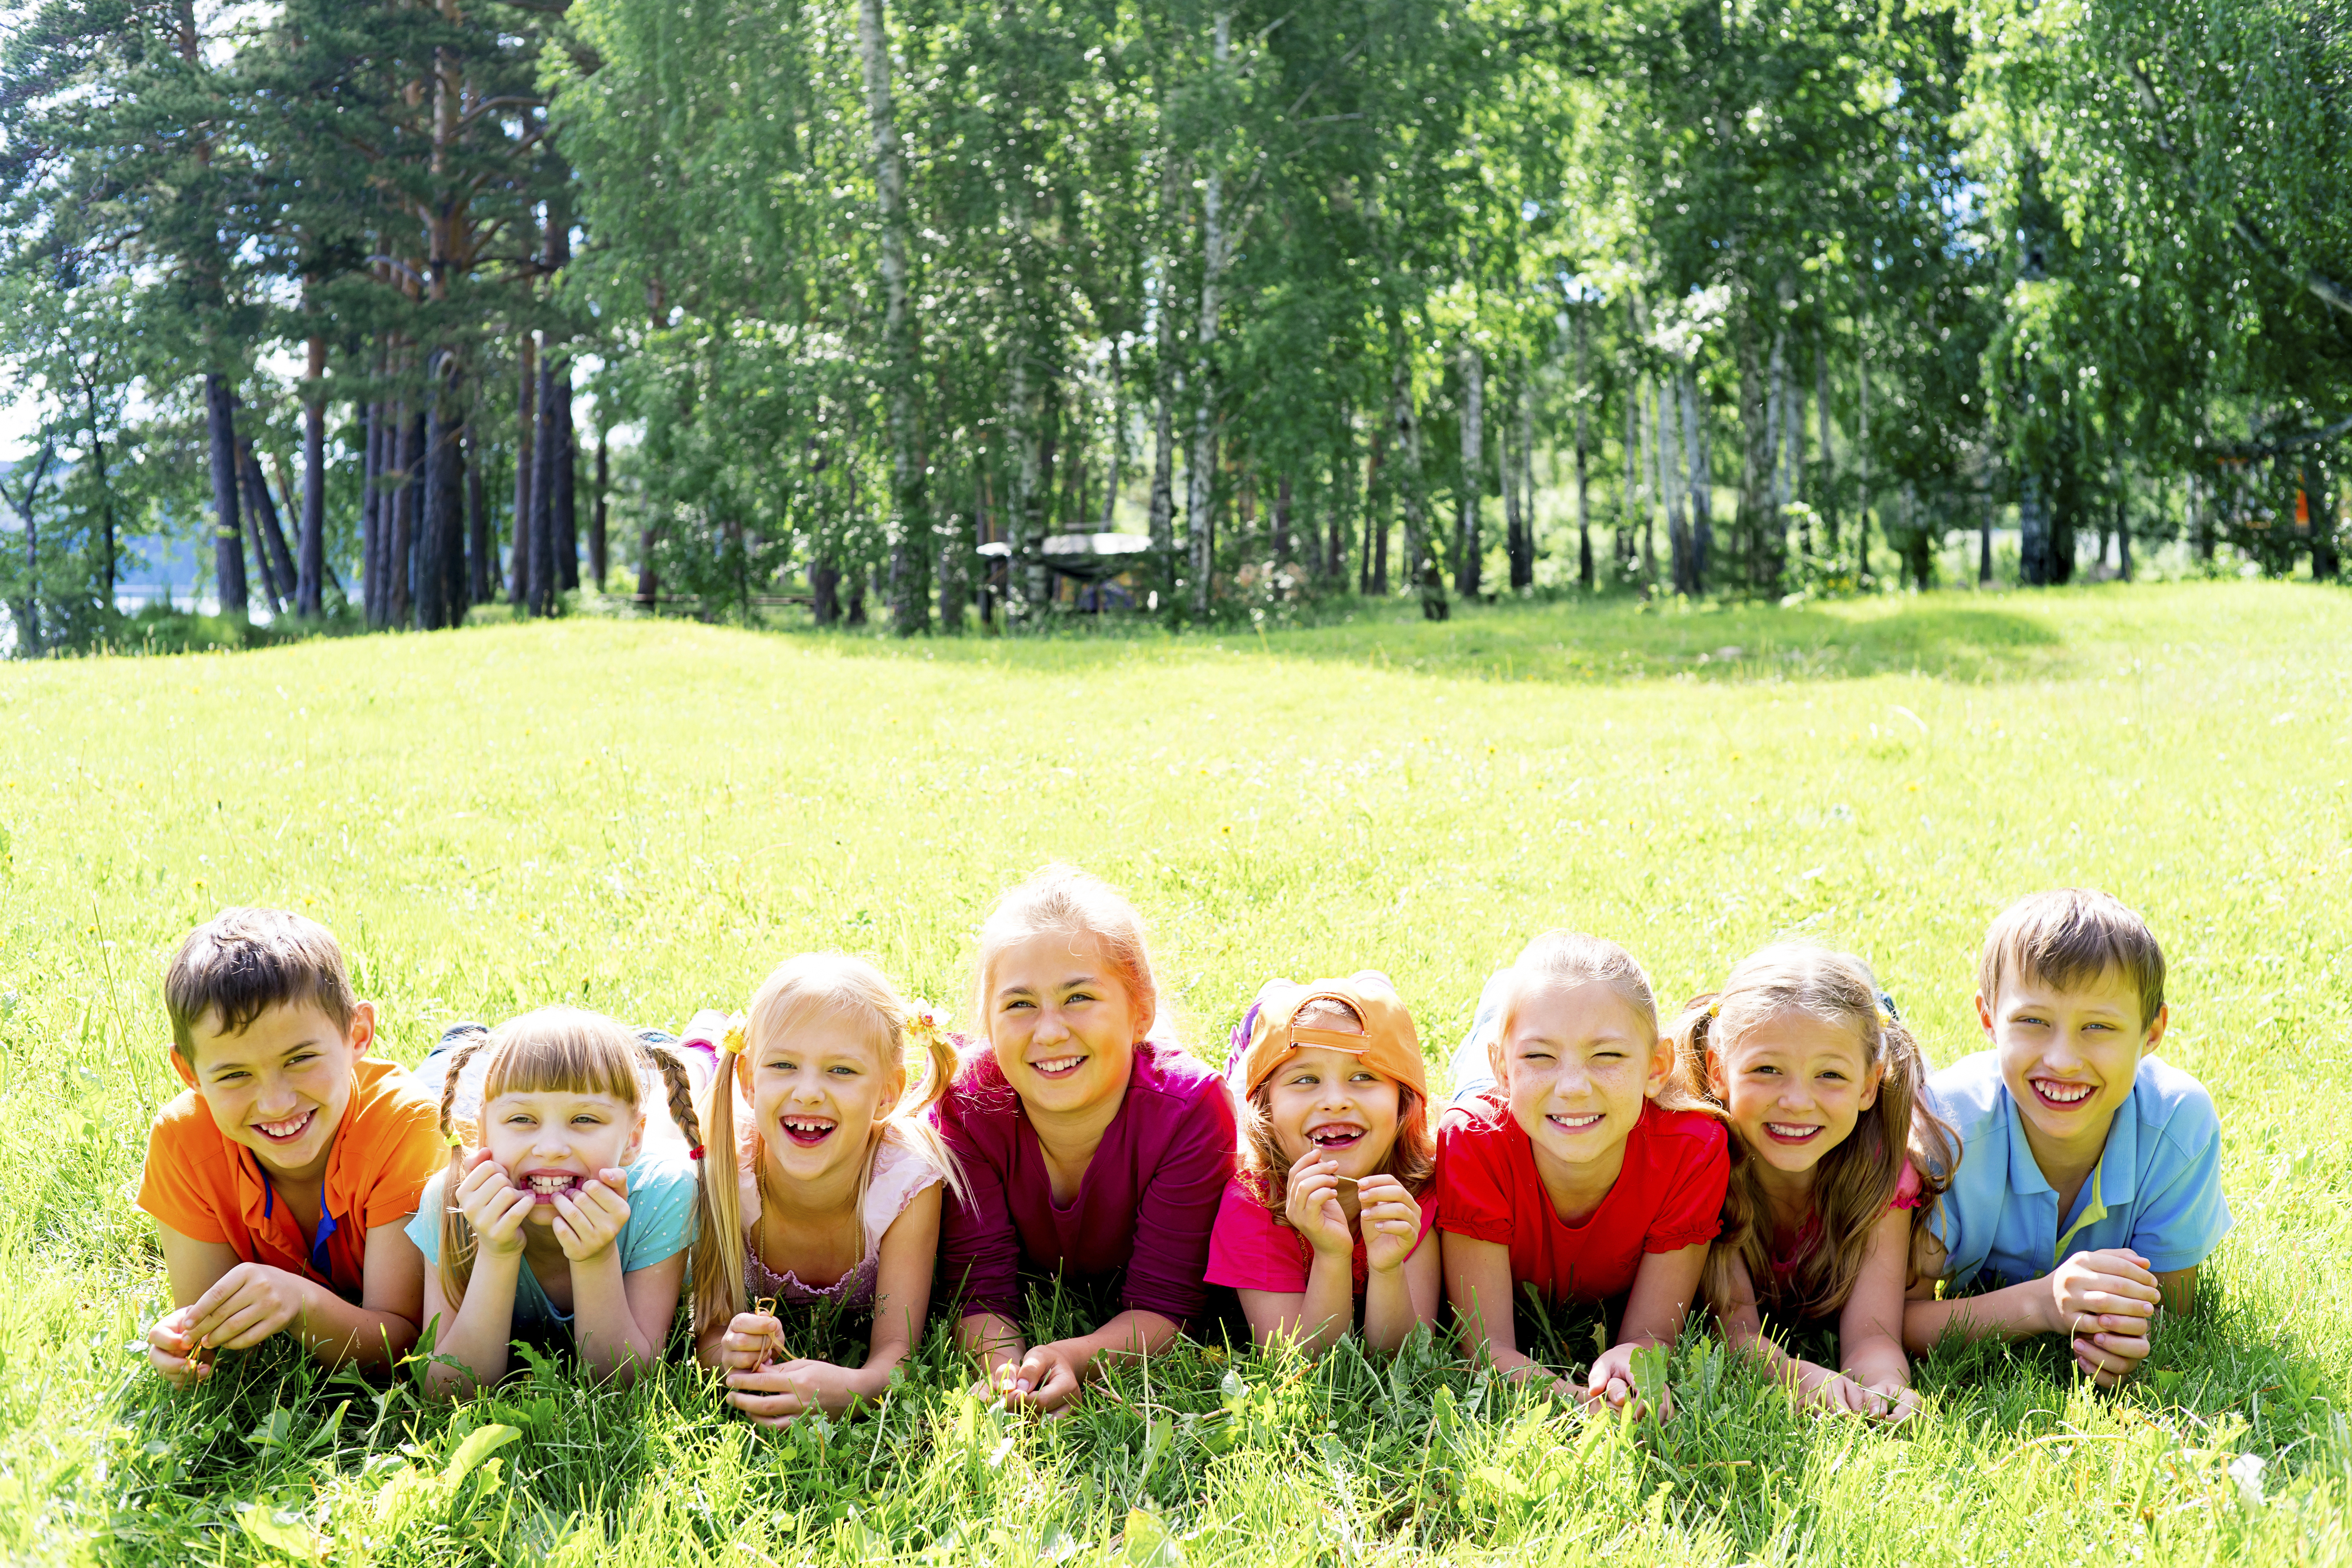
x=1057, y=1066
x=1335, y=1137
x=1789, y=1132
x=1579, y=1122
x=546, y=1186
x=2058, y=1092
x=287, y=1131
x=808, y=1131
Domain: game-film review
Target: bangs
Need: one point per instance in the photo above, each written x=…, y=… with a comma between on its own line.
x=566, y=1050
x=830, y=992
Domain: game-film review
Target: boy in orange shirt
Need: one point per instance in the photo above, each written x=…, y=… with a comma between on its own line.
x=280, y=1182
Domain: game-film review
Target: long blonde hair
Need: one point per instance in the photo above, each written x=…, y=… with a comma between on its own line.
x=1058, y=898
x=1854, y=1181
x=565, y=1049
x=835, y=987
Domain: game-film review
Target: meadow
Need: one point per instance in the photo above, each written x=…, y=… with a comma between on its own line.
x=644, y=816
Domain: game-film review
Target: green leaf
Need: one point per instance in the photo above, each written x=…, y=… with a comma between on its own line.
x=289, y=1534
x=1147, y=1543
x=1650, y=1365
x=478, y=1446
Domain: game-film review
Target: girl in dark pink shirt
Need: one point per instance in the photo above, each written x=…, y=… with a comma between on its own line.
x=1093, y=1149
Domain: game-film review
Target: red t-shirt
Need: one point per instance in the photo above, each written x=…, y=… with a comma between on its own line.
x=1668, y=1196
x=1250, y=1249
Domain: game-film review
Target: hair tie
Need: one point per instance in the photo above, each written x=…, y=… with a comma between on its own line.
x=695, y=1152
x=730, y=1042
x=453, y=1139
x=1886, y=1013
x=1715, y=1008
x=924, y=1023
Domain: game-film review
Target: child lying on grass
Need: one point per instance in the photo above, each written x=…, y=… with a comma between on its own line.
x=1580, y=1168
x=2089, y=1187
x=1819, y=1083
x=279, y=1182
x=1323, y=1225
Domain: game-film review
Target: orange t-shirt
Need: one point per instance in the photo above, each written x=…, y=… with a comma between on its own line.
x=210, y=1189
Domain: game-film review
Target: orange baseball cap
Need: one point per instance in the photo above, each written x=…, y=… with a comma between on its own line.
x=1388, y=1045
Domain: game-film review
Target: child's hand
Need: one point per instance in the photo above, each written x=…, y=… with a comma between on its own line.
x=2103, y=1292
x=588, y=1224
x=1046, y=1380
x=1390, y=1221
x=1611, y=1382
x=1312, y=1203
x=750, y=1341
x=773, y=1395
x=171, y=1348
x=245, y=1307
x=2110, y=1358
x=492, y=1204
x=1822, y=1389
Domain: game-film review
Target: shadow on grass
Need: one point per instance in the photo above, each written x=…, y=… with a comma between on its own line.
x=1560, y=643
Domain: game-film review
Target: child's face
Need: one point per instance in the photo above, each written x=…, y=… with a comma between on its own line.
x=816, y=1092
x=280, y=1087
x=1794, y=1085
x=1327, y=1099
x=2069, y=1056
x=1577, y=1066
x=549, y=1142
x=1062, y=1022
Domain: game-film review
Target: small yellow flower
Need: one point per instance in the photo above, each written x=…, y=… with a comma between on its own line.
x=730, y=1044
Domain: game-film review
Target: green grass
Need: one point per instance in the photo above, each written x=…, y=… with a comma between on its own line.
x=645, y=817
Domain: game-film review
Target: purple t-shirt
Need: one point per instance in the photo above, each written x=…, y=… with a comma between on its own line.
x=1142, y=1210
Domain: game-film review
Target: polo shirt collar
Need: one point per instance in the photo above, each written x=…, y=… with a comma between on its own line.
x=2116, y=1173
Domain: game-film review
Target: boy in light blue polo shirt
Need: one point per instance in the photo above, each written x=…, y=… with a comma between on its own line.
x=2089, y=1187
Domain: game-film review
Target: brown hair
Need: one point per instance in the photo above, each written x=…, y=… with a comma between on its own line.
x=2068, y=937
x=1561, y=961
x=1854, y=1181
x=244, y=962
x=833, y=986
x=1411, y=1159
x=563, y=1048
x=1058, y=898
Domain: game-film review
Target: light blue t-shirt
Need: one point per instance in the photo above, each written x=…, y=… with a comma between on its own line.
x=2157, y=1189
x=661, y=1224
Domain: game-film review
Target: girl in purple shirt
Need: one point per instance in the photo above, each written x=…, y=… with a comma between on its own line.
x=1091, y=1148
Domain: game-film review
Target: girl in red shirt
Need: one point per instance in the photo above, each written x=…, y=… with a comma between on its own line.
x=1586, y=1172
x=1802, y=1055
x=1326, y=1212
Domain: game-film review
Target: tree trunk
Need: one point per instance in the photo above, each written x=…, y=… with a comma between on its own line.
x=1584, y=573
x=1506, y=471
x=440, y=540
x=1984, y=547
x=1645, y=400
x=1376, y=519
x=1669, y=450
x=481, y=558
x=228, y=537
x=1343, y=501
x=1862, y=472
x=310, y=567
x=1420, y=551
x=399, y=538
x=598, y=517
x=567, y=479
x=267, y=533
x=1163, y=490
x=1200, y=470
x=1826, y=485
x=1793, y=463
x=909, y=528
x=29, y=639
x=546, y=443
x=1280, y=543
x=1776, y=438
x=408, y=543
x=519, y=547
x=2319, y=492
x=371, y=521
x=853, y=613
x=1466, y=545
x=1702, y=480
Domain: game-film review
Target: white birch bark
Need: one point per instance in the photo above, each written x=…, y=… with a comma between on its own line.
x=1200, y=470
x=908, y=604
x=1474, y=414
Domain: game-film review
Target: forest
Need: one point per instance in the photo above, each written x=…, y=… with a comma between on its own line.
x=949, y=316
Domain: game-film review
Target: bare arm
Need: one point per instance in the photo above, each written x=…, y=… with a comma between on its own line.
x=773, y=1393
x=2105, y=1300
x=620, y=1321
x=1316, y=1317
x=1870, y=1328
x=1049, y=1377
x=1478, y=1284
x=475, y=1333
x=1665, y=1286
x=227, y=1305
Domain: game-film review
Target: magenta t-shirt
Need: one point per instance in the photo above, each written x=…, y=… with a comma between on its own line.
x=1250, y=1249
x=1142, y=1211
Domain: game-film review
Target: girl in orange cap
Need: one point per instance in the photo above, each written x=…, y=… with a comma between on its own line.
x=1323, y=1224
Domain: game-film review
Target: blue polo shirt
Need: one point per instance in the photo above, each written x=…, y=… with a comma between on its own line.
x=2157, y=1189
